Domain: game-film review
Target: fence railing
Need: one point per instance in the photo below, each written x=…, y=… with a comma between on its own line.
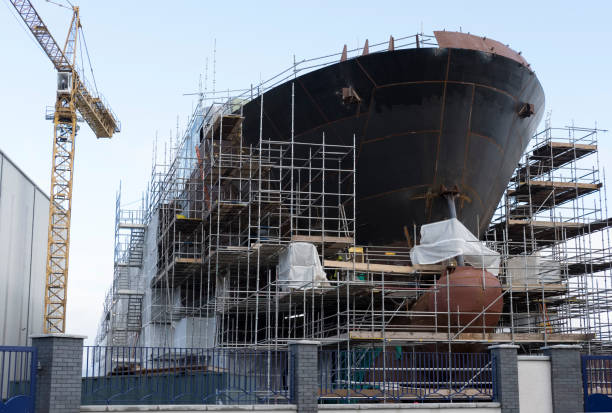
x=157, y=375
x=597, y=382
x=17, y=378
x=395, y=375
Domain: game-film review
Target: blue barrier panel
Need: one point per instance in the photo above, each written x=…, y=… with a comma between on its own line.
x=394, y=375
x=160, y=375
x=597, y=383
x=17, y=379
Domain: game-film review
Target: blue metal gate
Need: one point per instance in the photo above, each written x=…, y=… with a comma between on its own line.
x=17, y=379
x=597, y=383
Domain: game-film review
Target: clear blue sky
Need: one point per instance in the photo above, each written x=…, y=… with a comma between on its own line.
x=146, y=54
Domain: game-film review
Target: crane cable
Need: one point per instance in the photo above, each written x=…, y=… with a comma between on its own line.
x=82, y=74
x=22, y=25
x=89, y=60
x=33, y=39
x=60, y=5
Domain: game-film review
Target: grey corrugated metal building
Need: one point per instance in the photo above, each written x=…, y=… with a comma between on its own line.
x=24, y=216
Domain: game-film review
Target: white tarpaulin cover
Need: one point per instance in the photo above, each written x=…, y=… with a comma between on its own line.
x=446, y=239
x=532, y=269
x=299, y=267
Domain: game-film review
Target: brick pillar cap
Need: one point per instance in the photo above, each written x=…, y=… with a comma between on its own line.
x=310, y=342
x=562, y=347
x=57, y=335
x=502, y=346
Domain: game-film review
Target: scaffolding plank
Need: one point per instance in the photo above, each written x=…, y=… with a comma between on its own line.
x=130, y=292
x=545, y=233
x=186, y=224
x=320, y=239
x=177, y=271
x=523, y=187
x=552, y=155
x=386, y=268
x=536, y=288
x=131, y=225
x=579, y=268
x=421, y=336
x=537, y=196
x=556, y=148
x=230, y=122
x=332, y=243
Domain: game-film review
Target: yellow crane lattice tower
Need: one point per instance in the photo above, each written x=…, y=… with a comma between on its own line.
x=72, y=96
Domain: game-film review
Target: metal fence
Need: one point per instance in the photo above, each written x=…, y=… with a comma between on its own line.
x=395, y=375
x=17, y=378
x=597, y=383
x=159, y=375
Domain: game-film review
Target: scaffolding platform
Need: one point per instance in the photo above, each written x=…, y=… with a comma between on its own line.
x=225, y=208
x=331, y=244
x=177, y=272
x=545, y=232
x=184, y=224
x=383, y=268
x=224, y=127
x=551, y=155
x=547, y=194
x=541, y=289
x=131, y=225
x=587, y=267
x=412, y=337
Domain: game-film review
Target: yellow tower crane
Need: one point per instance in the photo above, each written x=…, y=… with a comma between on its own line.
x=72, y=96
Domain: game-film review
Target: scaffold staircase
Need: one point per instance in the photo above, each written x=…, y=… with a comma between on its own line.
x=125, y=307
x=134, y=312
x=136, y=249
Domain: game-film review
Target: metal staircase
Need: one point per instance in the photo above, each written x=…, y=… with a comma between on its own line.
x=124, y=301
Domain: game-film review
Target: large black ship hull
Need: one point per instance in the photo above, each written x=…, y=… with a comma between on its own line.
x=425, y=120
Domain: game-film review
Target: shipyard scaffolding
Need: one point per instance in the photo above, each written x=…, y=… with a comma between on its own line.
x=225, y=213
x=253, y=244
x=553, y=230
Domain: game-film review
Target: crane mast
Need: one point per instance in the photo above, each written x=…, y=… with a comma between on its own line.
x=72, y=96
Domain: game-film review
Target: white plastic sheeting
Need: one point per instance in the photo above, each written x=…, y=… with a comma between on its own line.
x=446, y=239
x=195, y=332
x=300, y=267
x=532, y=269
x=24, y=214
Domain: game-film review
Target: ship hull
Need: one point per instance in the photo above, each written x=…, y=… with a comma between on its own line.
x=425, y=121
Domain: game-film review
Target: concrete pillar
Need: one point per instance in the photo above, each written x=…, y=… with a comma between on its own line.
x=305, y=387
x=566, y=378
x=60, y=360
x=506, y=377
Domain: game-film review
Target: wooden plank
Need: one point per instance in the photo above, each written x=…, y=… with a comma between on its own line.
x=318, y=239
x=129, y=292
x=128, y=225
x=570, y=185
x=557, y=184
x=545, y=224
x=188, y=261
x=421, y=336
x=536, y=287
x=573, y=145
x=386, y=268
